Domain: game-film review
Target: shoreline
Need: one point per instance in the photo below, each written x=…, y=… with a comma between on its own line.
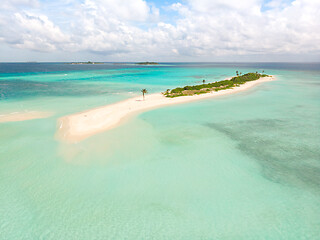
x=79, y=126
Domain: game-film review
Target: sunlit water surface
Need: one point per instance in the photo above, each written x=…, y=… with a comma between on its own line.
x=244, y=166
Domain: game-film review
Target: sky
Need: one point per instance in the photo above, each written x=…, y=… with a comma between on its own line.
x=155, y=30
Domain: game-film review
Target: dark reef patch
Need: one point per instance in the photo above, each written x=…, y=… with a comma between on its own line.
x=17, y=88
x=286, y=156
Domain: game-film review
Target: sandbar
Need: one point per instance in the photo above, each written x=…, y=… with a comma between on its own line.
x=22, y=116
x=76, y=127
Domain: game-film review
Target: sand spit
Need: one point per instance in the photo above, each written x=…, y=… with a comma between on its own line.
x=22, y=116
x=76, y=127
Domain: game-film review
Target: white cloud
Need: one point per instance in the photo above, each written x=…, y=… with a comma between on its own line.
x=127, y=10
x=29, y=31
x=207, y=6
x=14, y=4
x=202, y=29
x=229, y=27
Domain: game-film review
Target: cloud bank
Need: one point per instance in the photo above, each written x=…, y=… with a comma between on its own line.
x=137, y=29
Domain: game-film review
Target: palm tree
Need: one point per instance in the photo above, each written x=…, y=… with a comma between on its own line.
x=144, y=91
x=237, y=73
x=240, y=73
x=262, y=71
x=203, y=81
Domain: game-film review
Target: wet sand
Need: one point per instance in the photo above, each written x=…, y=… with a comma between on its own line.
x=22, y=116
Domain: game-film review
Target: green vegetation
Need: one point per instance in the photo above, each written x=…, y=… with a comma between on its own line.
x=144, y=91
x=215, y=86
x=147, y=63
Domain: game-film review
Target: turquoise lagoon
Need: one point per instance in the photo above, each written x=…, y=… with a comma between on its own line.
x=243, y=166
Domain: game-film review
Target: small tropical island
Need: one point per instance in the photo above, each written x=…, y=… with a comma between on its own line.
x=78, y=126
x=215, y=86
x=89, y=62
x=147, y=63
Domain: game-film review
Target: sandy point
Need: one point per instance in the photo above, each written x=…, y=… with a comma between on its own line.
x=23, y=116
x=76, y=127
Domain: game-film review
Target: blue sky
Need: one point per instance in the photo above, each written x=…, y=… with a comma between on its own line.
x=138, y=30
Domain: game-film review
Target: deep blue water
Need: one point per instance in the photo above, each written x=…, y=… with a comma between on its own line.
x=6, y=68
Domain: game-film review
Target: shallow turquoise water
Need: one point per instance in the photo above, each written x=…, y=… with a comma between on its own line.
x=245, y=166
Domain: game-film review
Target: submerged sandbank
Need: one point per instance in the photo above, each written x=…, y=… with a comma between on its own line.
x=76, y=127
x=22, y=116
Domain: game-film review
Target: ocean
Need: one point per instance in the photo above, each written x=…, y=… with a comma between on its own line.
x=242, y=166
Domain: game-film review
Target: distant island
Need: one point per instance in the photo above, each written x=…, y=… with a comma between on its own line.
x=215, y=86
x=147, y=63
x=89, y=62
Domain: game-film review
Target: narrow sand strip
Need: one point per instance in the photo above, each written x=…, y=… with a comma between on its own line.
x=22, y=116
x=76, y=127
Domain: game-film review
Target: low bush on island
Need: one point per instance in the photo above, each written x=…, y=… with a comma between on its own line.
x=215, y=86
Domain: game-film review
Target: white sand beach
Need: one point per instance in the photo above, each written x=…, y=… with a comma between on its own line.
x=76, y=127
x=22, y=116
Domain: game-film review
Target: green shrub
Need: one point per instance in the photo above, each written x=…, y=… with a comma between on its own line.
x=216, y=86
